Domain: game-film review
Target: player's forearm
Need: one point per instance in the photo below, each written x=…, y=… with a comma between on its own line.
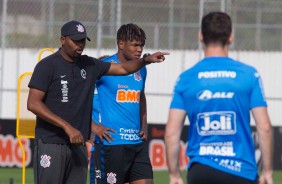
x=42, y=111
x=132, y=66
x=143, y=111
x=95, y=127
x=125, y=68
x=172, y=140
x=144, y=123
x=264, y=129
x=172, y=143
x=266, y=147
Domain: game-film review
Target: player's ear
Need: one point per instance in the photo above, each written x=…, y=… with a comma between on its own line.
x=230, y=39
x=200, y=36
x=63, y=39
x=121, y=44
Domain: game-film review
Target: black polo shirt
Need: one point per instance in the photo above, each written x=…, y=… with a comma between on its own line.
x=69, y=89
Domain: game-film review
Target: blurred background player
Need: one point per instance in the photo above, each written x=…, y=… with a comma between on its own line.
x=124, y=155
x=217, y=94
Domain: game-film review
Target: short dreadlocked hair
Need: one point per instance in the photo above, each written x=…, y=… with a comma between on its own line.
x=131, y=32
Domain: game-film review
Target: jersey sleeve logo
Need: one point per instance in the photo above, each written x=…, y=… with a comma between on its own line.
x=137, y=76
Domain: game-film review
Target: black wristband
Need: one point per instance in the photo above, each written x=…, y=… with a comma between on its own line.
x=144, y=56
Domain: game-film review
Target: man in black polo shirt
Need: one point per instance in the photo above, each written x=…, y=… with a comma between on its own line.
x=61, y=93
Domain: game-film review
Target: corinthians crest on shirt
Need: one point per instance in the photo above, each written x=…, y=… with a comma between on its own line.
x=137, y=76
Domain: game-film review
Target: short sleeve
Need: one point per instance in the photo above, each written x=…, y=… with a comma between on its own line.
x=103, y=67
x=41, y=76
x=257, y=95
x=177, y=98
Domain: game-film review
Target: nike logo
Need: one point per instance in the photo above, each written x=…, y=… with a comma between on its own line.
x=62, y=76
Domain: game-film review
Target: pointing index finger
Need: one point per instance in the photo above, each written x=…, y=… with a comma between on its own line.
x=164, y=53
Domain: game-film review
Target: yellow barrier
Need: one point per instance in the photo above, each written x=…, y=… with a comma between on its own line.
x=23, y=129
x=22, y=124
x=26, y=123
x=42, y=51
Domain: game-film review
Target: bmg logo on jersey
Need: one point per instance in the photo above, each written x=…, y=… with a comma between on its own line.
x=216, y=123
x=132, y=96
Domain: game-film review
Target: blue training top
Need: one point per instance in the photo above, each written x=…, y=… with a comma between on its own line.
x=217, y=94
x=119, y=104
x=95, y=114
x=95, y=107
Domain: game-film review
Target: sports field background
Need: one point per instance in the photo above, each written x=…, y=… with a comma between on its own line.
x=13, y=176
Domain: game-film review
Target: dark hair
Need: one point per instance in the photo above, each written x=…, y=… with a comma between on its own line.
x=131, y=32
x=216, y=28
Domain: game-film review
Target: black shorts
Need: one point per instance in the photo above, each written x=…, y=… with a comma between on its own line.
x=123, y=163
x=203, y=174
x=59, y=163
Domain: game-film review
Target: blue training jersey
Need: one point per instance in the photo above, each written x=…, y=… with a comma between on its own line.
x=119, y=104
x=217, y=94
x=95, y=107
x=95, y=114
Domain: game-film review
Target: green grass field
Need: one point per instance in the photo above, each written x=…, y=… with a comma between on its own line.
x=13, y=176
